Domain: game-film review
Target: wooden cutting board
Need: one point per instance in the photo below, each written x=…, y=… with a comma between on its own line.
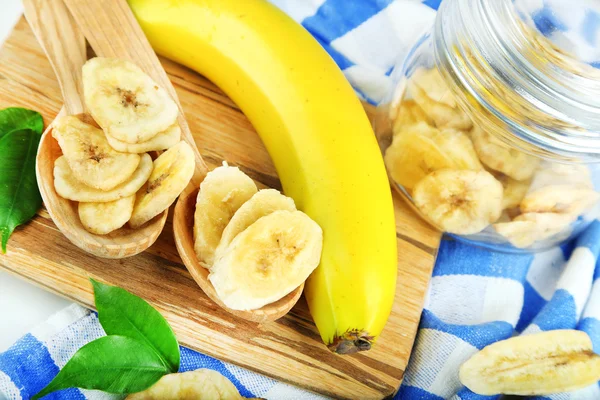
x=289, y=349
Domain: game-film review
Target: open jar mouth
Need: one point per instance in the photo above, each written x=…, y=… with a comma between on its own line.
x=531, y=93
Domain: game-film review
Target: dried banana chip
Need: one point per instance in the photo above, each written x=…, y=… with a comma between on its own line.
x=162, y=141
x=103, y=218
x=514, y=191
x=459, y=148
x=432, y=83
x=564, y=199
x=443, y=115
x=224, y=190
x=527, y=229
x=70, y=188
x=538, y=364
x=91, y=159
x=201, y=384
x=409, y=114
x=459, y=201
x=499, y=157
x=413, y=155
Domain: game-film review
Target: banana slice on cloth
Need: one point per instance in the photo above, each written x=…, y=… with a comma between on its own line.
x=514, y=191
x=268, y=260
x=459, y=201
x=221, y=194
x=68, y=187
x=91, y=159
x=201, y=384
x=126, y=102
x=437, y=105
x=499, y=157
x=459, y=148
x=172, y=171
x=161, y=141
x=527, y=229
x=562, y=198
x=409, y=113
x=261, y=204
x=539, y=364
x=413, y=155
x=103, y=218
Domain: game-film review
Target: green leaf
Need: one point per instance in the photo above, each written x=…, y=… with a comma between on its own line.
x=19, y=194
x=114, y=364
x=122, y=313
x=16, y=119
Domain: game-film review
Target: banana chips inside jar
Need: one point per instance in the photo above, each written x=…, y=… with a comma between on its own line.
x=257, y=246
x=106, y=167
x=462, y=179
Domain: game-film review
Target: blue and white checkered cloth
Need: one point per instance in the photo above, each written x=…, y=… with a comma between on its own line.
x=475, y=298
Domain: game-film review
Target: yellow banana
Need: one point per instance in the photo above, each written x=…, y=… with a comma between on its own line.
x=318, y=136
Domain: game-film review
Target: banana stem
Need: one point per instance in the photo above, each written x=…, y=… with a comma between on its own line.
x=351, y=342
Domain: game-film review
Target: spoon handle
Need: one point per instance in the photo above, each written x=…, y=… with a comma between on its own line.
x=112, y=31
x=64, y=45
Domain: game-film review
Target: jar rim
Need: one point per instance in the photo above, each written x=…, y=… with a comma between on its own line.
x=488, y=55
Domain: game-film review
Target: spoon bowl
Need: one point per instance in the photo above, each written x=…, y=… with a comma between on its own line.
x=183, y=225
x=64, y=46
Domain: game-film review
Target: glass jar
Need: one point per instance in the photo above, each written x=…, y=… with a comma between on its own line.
x=492, y=131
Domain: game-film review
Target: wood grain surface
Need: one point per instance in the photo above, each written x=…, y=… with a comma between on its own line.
x=288, y=349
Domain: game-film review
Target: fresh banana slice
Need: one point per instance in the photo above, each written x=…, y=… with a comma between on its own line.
x=268, y=260
x=459, y=148
x=92, y=161
x=201, y=384
x=413, y=155
x=172, y=171
x=565, y=199
x=527, y=229
x=221, y=194
x=499, y=157
x=459, y=201
x=161, y=141
x=539, y=364
x=68, y=187
x=126, y=102
x=514, y=191
x=443, y=115
x=261, y=204
x=103, y=218
x=409, y=114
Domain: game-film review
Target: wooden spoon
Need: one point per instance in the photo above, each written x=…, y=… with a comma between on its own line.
x=112, y=31
x=64, y=46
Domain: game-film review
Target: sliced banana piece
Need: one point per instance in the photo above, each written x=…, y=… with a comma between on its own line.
x=561, y=174
x=413, y=155
x=201, y=384
x=459, y=148
x=527, y=229
x=126, y=102
x=172, y=171
x=514, y=191
x=222, y=192
x=161, y=141
x=103, y=218
x=432, y=83
x=499, y=157
x=91, y=159
x=268, y=260
x=443, y=115
x=561, y=198
x=539, y=364
x=261, y=204
x=68, y=187
x=459, y=201
x=409, y=114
